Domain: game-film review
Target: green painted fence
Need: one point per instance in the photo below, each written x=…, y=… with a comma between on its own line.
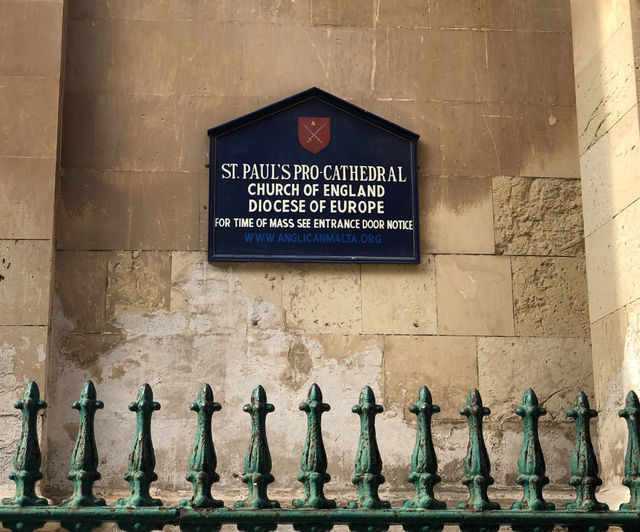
x=313, y=512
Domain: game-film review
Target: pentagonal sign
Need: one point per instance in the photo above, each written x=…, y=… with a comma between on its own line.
x=313, y=178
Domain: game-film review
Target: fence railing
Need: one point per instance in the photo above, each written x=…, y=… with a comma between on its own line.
x=314, y=512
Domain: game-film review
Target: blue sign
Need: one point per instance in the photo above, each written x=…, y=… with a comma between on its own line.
x=313, y=178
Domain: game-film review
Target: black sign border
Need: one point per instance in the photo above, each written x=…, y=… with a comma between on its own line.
x=342, y=105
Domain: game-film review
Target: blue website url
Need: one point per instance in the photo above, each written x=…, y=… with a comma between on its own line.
x=313, y=238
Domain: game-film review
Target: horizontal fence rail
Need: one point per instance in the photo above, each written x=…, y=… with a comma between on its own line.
x=314, y=512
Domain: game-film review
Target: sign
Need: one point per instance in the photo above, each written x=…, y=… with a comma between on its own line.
x=313, y=178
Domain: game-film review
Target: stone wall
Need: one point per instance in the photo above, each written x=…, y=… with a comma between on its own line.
x=607, y=45
x=498, y=302
x=30, y=67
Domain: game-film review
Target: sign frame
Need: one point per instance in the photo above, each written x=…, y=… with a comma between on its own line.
x=356, y=112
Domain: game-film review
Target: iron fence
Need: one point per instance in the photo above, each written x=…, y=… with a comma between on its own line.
x=314, y=512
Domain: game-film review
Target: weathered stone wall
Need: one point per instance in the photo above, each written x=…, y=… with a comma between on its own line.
x=30, y=66
x=606, y=42
x=498, y=301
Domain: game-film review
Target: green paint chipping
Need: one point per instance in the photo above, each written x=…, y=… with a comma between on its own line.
x=142, y=459
x=202, y=468
x=584, y=465
x=313, y=512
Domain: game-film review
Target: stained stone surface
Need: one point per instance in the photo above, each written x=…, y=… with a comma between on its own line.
x=488, y=85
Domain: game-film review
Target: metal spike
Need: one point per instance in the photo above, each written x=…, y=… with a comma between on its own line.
x=584, y=465
x=368, y=467
x=424, y=464
x=202, y=470
x=257, y=464
x=84, y=461
x=313, y=463
x=142, y=460
x=531, y=464
x=631, y=479
x=27, y=461
x=477, y=467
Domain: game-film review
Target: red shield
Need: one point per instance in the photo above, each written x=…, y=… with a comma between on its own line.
x=314, y=133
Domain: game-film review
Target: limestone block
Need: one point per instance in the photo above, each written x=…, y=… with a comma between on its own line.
x=529, y=67
x=399, y=299
x=199, y=113
x=543, y=15
x=614, y=259
x=30, y=38
x=23, y=358
x=128, y=210
x=474, y=295
x=79, y=10
x=80, y=286
x=537, y=216
x=456, y=215
x=25, y=273
x=593, y=22
x=136, y=132
x=262, y=281
x=417, y=64
x=76, y=142
x=605, y=88
x=615, y=339
x=504, y=443
x=550, y=296
x=138, y=282
x=473, y=14
x=410, y=14
x=86, y=65
x=268, y=11
x=355, y=13
x=609, y=172
x=556, y=368
x=26, y=197
x=29, y=110
x=336, y=59
x=323, y=298
x=85, y=352
x=548, y=141
x=616, y=344
x=488, y=147
x=447, y=365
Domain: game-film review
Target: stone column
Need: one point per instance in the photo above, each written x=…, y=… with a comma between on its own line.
x=606, y=43
x=31, y=37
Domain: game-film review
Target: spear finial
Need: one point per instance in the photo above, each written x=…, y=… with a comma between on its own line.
x=27, y=460
x=84, y=462
x=584, y=465
x=477, y=467
x=368, y=467
x=202, y=471
x=257, y=464
x=531, y=464
x=424, y=464
x=313, y=463
x=142, y=459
